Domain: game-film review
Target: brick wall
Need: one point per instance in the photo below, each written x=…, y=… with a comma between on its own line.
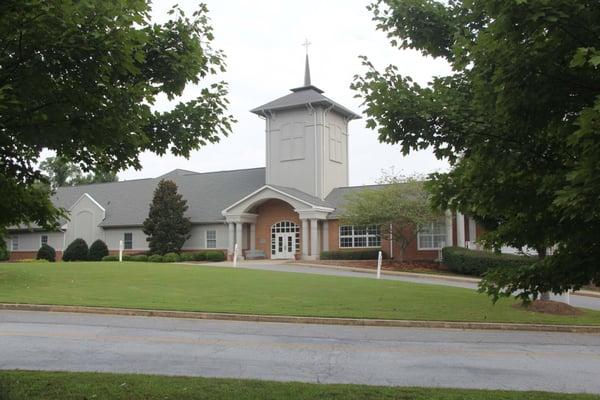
x=270, y=212
x=25, y=255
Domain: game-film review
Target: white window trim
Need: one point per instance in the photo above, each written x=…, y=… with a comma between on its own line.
x=419, y=247
x=47, y=239
x=206, y=239
x=366, y=235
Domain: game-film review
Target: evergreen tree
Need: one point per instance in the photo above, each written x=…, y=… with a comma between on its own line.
x=166, y=226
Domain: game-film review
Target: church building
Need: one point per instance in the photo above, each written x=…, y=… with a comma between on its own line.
x=287, y=210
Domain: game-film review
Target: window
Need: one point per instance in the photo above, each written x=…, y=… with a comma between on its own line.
x=360, y=236
x=43, y=240
x=432, y=236
x=14, y=243
x=211, y=239
x=127, y=240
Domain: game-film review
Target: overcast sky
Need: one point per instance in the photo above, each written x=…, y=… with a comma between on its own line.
x=265, y=58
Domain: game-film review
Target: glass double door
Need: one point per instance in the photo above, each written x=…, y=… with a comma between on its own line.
x=285, y=245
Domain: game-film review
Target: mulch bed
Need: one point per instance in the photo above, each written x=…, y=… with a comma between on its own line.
x=550, y=307
x=386, y=265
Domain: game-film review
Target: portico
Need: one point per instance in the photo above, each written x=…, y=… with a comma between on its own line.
x=281, y=222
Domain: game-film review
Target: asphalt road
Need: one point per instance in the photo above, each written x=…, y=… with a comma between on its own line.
x=293, y=352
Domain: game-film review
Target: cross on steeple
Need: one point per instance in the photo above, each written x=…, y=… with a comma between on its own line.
x=306, y=44
x=306, y=67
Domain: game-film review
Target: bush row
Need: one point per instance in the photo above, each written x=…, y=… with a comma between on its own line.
x=476, y=263
x=211, y=255
x=370, y=254
x=78, y=251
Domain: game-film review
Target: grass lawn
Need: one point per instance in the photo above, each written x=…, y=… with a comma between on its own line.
x=199, y=288
x=17, y=385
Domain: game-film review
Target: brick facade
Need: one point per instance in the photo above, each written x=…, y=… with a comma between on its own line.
x=29, y=255
x=271, y=212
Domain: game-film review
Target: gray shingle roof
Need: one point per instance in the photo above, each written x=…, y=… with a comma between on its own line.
x=303, y=196
x=303, y=96
x=127, y=202
x=338, y=197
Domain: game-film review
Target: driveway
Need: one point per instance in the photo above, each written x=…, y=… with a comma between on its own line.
x=274, y=265
x=294, y=352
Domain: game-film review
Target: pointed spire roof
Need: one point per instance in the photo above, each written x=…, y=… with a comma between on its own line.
x=303, y=96
x=306, y=72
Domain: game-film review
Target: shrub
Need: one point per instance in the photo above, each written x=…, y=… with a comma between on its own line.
x=186, y=257
x=215, y=256
x=4, y=253
x=371, y=254
x=76, y=251
x=171, y=257
x=139, y=257
x=201, y=256
x=476, y=263
x=46, y=252
x=155, y=258
x=98, y=249
x=110, y=258
x=127, y=257
x=32, y=260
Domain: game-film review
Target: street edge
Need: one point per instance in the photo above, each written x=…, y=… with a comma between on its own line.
x=304, y=320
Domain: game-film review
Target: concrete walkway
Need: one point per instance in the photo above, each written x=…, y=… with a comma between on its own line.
x=310, y=353
x=592, y=303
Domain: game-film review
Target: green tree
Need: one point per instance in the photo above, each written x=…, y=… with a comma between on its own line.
x=96, y=177
x=402, y=203
x=80, y=78
x=167, y=227
x=518, y=119
x=59, y=171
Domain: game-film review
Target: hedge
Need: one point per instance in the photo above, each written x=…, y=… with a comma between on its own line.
x=476, y=262
x=371, y=254
x=215, y=256
x=139, y=257
x=155, y=258
x=186, y=256
x=110, y=258
x=98, y=250
x=46, y=252
x=171, y=257
x=76, y=251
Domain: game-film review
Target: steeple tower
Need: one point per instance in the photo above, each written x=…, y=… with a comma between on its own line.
x=307, y=139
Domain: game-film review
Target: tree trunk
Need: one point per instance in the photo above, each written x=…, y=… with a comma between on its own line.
x=541, y=255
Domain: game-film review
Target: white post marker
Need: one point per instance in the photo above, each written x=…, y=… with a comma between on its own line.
x=379, y=258
x=121, y=250
x=235, y=255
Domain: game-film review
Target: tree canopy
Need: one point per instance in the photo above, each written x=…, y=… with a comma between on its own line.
x=167, y=227
x=518, y=120
x=60, y=172
x=81, y=78
x=401, y=203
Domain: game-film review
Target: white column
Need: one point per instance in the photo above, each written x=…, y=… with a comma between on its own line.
x=304, y=238
x=460, y=229
x=314, y=238
x=472, y=232
x=325, y=245
x=449, y=236
x=231, y=238
x=238, y=236
x=252, y=236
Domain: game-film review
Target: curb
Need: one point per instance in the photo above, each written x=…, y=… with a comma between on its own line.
x=306, y=320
